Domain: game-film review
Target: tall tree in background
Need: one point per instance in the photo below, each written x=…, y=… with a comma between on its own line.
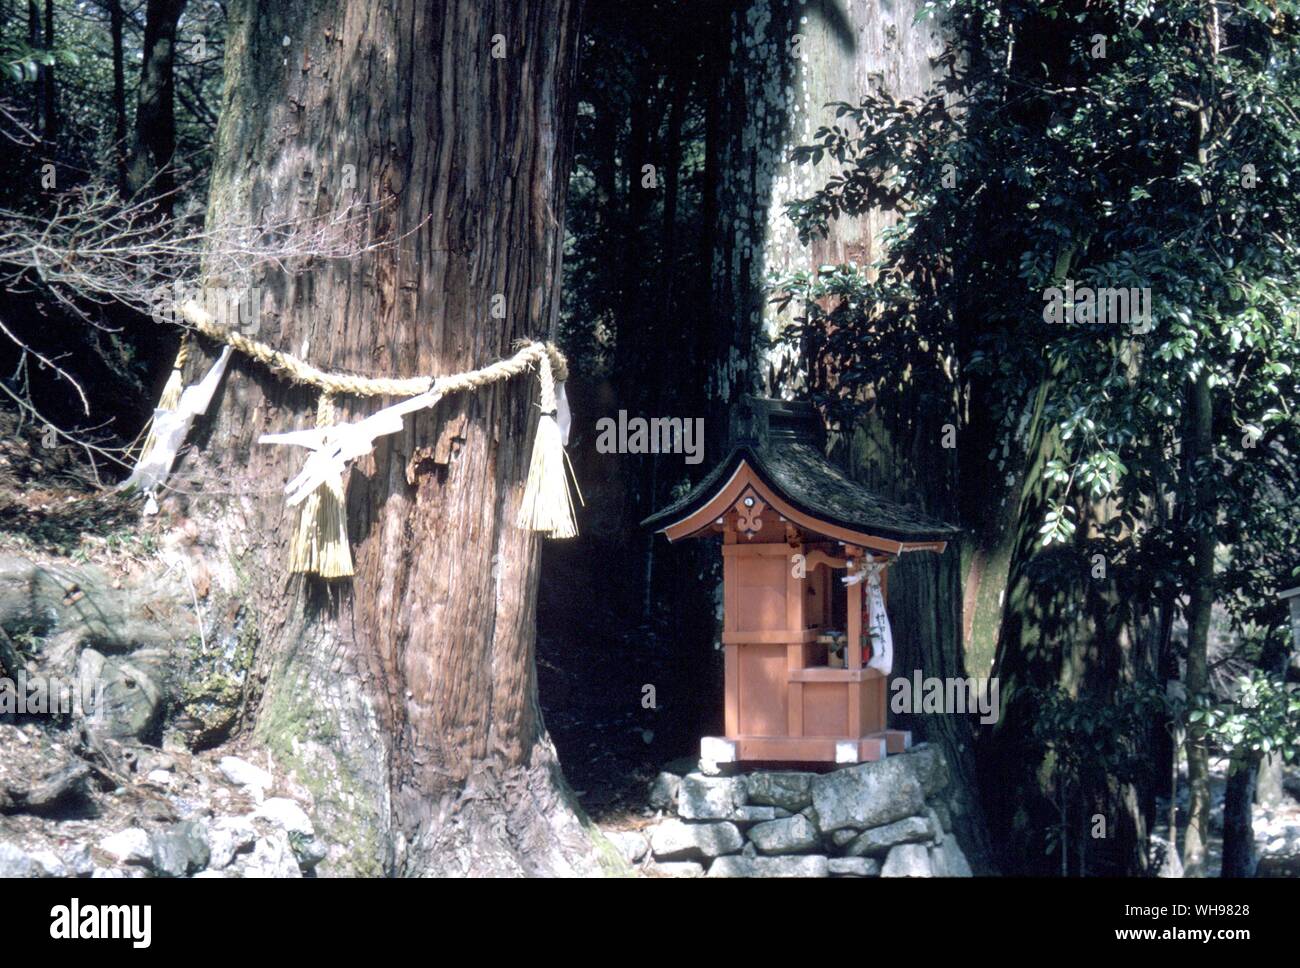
x=154, y=150
x=406, y=697
x=790, y=62
x=119, y=94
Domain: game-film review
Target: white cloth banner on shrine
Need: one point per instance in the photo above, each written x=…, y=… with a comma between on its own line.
x=882, y=637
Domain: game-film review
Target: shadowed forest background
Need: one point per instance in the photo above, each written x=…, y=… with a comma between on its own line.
x=855, y=203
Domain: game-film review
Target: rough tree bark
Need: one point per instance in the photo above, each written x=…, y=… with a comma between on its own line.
x=155, y=111
x=405, y=698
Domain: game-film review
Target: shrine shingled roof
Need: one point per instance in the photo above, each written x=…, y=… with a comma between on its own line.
x=800, y=474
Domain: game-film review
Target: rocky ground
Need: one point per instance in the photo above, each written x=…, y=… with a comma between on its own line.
x=72, y=809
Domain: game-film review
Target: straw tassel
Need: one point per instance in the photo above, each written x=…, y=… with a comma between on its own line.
x=171, y=393
x=320, y=538
x=547, y=505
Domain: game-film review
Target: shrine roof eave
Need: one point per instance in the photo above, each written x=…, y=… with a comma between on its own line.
x=806, y=488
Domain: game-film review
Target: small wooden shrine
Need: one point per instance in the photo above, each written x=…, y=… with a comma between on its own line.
x=798, y=686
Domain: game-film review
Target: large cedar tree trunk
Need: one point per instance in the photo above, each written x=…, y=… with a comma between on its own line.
x=404, y=698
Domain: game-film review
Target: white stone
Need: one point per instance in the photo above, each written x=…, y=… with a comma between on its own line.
x=680, y=868
x=130, y=846
x=272, y=857
x=229, y=836
x=717, y=749
x=867, y=795
x=854, y=867
x=15, y=862
x=788, y=866
x=245, y=774
x=287, y=814
x=907, y=860
x=676, y=840
x=663, y=790
x=709, y=797
x=791, y=835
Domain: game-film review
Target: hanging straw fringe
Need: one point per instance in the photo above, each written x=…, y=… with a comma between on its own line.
x=171, y=394
x=546, y=505
x=319, y=544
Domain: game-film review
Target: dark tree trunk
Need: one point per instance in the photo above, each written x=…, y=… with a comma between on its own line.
x=34, y=41
x=1063, y=629
x=405, y=698
x=1239, y=858
x=119, y=94
x=155, y=114
x=50, y=126
x=1199, y=445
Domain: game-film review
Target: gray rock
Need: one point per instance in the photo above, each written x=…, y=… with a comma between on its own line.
x=928, y=765
x=844, y=836
x=867, y=795
x=791, y=791
x=735, y=865
x=907, y=860
x=675, y=840
x=16, y=862
x=878, y=841
x=792, y=835
x=272, y=856
x=131, y=696
x=854, y=867
x=789, y=866
x=180, y=850
x=941, y=810
x=50, y=864
x=78, y=861
x=936, y=825
x=309, y=851
x=752, y=814
x=287, y=814
x=663, y=790
x=130, y=846
x=631, y=844
x=228, y=836
x=948, y=860
x=244, y=774
x=681, y=868
x=58, y=788
x=710, y=797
